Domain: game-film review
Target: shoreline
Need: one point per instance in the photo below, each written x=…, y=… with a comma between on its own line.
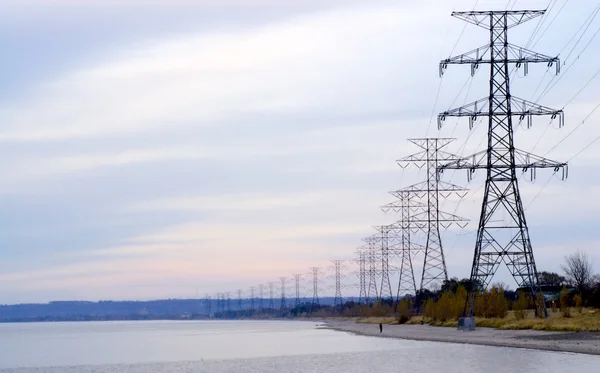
x=572, y=342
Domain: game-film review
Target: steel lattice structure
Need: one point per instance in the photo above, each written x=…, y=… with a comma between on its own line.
x=261, y=306
x=502, y=234
x=315, y=271
x=208, y=304
x=239, y=293
x=372, y=259
x=362, y=275
x=385, y=292
x=271, y=303
x=337, y=267
x=430, y=220
x=252, y=289
x=297, y=278
x=406, y=206
x=282, y=281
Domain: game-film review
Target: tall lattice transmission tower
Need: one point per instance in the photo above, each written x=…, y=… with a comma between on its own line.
x=502, y=234
x=315, y=272
x=430, y=220
x=297, y=279
x=386, y=239
x=239, y=299
x=362, y=274
x=283, y=281
x=261, y=306
x=228, y=299
x=372, y=270
x=252, y=290
x=337, y=266
x=208, y=300
x=271, y=289
x=406, y=205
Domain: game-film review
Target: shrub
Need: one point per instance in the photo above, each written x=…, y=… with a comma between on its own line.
x=564, y=303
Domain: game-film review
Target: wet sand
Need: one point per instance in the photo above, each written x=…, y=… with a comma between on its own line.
x=584, y=342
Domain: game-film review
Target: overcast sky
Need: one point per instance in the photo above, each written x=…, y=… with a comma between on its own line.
x=155, y=149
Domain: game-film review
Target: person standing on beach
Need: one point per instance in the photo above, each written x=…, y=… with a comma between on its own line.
x=380, y=328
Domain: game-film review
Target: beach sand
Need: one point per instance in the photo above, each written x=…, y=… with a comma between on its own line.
x=582, y=342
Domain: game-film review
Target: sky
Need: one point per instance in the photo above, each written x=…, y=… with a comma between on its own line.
x=170, y=149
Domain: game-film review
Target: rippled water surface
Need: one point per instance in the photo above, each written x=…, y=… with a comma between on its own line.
x=251, y=346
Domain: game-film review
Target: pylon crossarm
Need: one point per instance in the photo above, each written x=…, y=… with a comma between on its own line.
x=482, y=18
x=520, y=108
x=524, y=161
x=515, y=55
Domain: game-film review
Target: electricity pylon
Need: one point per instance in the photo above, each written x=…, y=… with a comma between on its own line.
x=252, y=289
x=372, y=259
x=362, y=275
x=208, y=304
x=297, y=278
x=430, y=220
x=282, y=280
x=315, y=271
x=406, y=205
x=239, y=293
x=387, y=234
x=502, y=234
x=337, y=267
x=261, y=306
x=271, y=303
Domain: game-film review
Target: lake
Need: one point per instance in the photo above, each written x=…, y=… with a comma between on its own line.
x=251, y=346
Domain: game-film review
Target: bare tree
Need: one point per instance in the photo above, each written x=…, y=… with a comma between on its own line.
x=578, y=271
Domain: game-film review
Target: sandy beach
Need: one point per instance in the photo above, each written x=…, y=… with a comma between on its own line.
x=583, y=342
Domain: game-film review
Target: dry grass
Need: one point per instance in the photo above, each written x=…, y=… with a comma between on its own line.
x=588, y=320
x=377, y=320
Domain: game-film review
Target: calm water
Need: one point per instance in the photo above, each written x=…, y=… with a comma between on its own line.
x=251, y=346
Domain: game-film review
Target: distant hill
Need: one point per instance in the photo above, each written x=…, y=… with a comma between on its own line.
x=126, y=310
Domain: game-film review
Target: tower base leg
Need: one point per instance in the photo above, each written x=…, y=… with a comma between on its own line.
x=466, y=323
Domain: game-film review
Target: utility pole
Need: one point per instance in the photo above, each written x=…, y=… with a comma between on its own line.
x=502, y=234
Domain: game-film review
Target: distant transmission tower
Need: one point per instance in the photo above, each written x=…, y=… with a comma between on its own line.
x=315, y=271
x=386, y=231
x=362, y=275
x=271, y=303
x=252, y=289
x=239, y=292
x=406, y=206
x=283, y=281
x=228, y=298
x=502, y=234
x=261, y=289
x=297, y=278
x=337, y=266
x=208, y=304
x=434, y=263
x=372, y=260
